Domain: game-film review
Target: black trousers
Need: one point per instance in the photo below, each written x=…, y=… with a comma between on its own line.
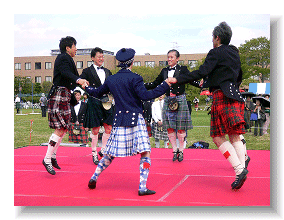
x=43, y=111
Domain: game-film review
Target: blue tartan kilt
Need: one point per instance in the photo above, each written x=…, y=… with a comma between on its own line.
x=128, y=141
x=179, y=119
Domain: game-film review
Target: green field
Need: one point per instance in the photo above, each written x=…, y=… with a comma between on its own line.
x=201, y=131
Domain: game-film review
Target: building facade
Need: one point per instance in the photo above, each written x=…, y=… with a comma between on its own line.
x=40, y=68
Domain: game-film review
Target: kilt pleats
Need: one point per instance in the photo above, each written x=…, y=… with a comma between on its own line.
x=227, y=116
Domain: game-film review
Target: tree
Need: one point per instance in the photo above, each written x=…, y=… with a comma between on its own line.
x=46, y=86
x=255, y=57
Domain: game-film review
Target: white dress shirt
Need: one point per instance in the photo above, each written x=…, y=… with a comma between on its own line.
x=101, y=73
x=157, y=108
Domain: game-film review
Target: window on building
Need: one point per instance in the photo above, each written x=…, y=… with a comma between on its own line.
x=47, y=65
x=79, y=64
x=150, y=63
x=48, y=79
x=38, y=79
x=17, y=66
x=163, y=63
x=192, y=63
x=89, y=63
x=37, y=65
x=180, y=62
x=27, y=66
x=137, y=63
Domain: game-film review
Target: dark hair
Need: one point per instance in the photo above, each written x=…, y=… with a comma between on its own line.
x=77, y=91
x=66, y=42
x=224, y=32
x=173, y=50
x=86, y=94
x=94, y=51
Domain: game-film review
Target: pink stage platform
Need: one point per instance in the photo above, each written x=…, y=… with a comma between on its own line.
x=203, y=179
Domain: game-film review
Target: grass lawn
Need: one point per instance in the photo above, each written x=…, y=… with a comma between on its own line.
x=201, y=131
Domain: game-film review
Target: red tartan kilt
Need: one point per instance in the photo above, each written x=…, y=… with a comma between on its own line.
x=227, y=116
x=80, y=138
x=59, y=111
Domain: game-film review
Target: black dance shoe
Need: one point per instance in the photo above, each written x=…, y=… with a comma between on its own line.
x=147, y=192
x=96, y=159
x=48, y=168
x=180, y=156
x=100, y=153
x=176, y=154
x=247, y=162
x=54, y=163
x=92, y=184
x=240, y=180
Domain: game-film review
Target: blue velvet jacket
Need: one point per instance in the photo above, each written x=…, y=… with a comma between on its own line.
x=128, y=91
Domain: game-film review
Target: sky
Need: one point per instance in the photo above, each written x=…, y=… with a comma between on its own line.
x=37, y=34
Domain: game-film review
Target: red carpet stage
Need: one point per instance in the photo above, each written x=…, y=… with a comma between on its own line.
x=203, y=179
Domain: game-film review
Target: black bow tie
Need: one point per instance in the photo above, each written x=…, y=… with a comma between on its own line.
x=99, y=67
x=174, y=68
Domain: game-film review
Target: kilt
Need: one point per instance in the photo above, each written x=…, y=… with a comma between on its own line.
x=180, y=119
x=227, y=115
x=128, y=141
x=59, y=111
x=161, y=135
x=80, y=138
x=96, y=115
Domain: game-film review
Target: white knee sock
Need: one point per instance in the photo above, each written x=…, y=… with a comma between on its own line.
x=240, y=150
x=173, y=140
x=51, y=147
x=157, y=143
x=104, y=140
x=230, y=154
x=181, y=137
x=245, y=146
x=166, y=144
x=57, y=146
x=94, y=143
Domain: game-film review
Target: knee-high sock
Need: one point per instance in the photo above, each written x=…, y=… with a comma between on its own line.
x=166, y=144
x=230, y=154
x=57, y=146
x=103, y=164
x=245, y=146
x=240, y=150
x=157, y=143
x=51, y=147
x=145, y=163
x=104, y=140
x=181, y=137
x=94, y=143
x=173, y=140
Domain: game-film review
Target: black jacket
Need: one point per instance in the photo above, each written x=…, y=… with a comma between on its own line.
x=221, y=69
x=65, y=72
x=177, y=88
x=90, y=74
x=81, y=113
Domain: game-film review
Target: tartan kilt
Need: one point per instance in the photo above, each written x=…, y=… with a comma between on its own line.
x=80, y=138
x=96, y=115
x=59, y=111
x=161, y=135
x=128, y=141
x=179, y=119
x=227, y=115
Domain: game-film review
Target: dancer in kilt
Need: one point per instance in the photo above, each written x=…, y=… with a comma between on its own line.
x=222, y=74
x=97, y=115
x=175, y=119
x=77, y=132
x=65, y=78
x=129, y=134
